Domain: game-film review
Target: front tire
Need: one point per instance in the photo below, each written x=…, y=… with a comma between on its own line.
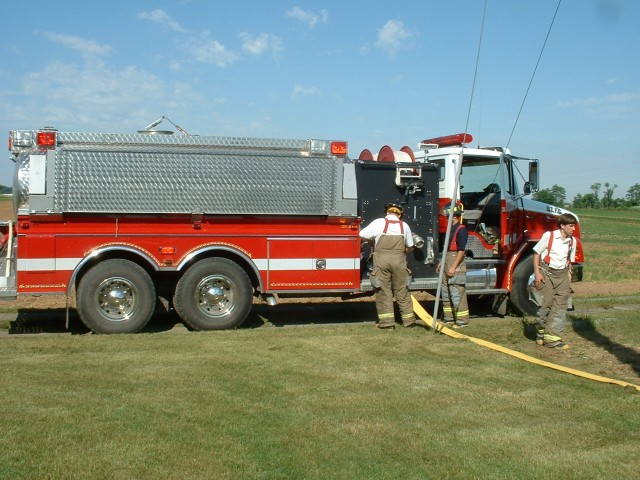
x=519, y=296
x=213, y=294
x=116, y=296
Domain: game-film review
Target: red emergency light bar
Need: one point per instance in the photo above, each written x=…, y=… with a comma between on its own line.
x=46, y=139
x=450, y=140
x=339, y=148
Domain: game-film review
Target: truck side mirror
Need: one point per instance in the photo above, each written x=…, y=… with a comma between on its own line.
x=533, y=184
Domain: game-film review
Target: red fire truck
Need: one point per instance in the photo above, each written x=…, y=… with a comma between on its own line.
x=209, y=223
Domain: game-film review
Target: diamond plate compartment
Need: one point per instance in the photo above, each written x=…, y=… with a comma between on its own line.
x=179, y=182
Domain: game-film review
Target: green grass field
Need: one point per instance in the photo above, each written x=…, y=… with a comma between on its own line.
x=611, y=240
x=332, y=401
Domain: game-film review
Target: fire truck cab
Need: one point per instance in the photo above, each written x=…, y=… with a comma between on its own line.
x=503, y=224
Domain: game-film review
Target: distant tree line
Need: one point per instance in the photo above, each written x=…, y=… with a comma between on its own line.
x=601, y=196
x=5, y=190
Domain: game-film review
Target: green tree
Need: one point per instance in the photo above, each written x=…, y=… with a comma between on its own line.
x=588, y=200
x=594, y=196
x=633, y=195
x=578, y=202
x=556, y=195
x=607, y=195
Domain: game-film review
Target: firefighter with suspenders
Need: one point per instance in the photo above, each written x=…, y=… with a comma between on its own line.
x=390, y=276
x=552, y=259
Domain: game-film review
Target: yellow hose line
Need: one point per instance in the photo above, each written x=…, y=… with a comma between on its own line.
x=422, y=313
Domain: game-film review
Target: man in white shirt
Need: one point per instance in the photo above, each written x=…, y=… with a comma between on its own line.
x=552, y=259
x=390, y=276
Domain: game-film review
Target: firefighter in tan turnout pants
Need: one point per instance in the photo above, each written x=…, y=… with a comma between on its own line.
x=454, y=294
x=390, y=276
x=552, y=270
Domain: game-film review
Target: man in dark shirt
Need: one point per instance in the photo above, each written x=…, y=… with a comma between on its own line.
x=454, y=296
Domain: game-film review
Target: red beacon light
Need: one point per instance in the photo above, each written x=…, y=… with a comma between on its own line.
x=449, y=140
x=46, y=138
x=339, y=149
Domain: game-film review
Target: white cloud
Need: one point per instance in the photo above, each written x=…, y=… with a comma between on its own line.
x=625, y=97
x=86, y=47
x=162, y=18
x=614, y=98
x=202, y=47
x=92, y=88
x=614, y=106
x=300, y=91
x=578, y=102
x=311, y=19
x=392, y=35
x=260, y=44
x=205, y=49
x=96, y=97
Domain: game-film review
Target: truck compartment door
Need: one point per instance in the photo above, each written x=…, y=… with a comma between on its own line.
x=312, y=264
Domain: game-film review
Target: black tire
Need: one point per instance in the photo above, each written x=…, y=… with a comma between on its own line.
x=116, y=296
x=213, y=294
x=519, y=296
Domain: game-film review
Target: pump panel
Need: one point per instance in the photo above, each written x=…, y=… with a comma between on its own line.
x=377, y=187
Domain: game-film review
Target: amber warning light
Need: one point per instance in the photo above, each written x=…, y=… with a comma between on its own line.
x=47, y=139
x=339, y=148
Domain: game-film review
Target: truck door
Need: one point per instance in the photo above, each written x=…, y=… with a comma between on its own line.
x=513, y=209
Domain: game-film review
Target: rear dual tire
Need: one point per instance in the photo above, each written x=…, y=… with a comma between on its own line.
x=116, y=296
x=213, y=294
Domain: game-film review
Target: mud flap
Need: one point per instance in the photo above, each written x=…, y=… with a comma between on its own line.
x=499, y=304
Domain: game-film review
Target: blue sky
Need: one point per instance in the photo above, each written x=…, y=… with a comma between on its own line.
x=371, y=73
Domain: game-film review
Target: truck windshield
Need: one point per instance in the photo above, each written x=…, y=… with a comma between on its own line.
x=480, y=174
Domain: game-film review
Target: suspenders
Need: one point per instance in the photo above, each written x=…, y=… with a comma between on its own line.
x=547, y=259
x=387, y=222
x=453, y=245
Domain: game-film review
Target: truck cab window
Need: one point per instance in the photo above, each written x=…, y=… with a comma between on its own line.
x=481, y=191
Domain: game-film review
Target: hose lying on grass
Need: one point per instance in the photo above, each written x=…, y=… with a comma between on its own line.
x=440, y=327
